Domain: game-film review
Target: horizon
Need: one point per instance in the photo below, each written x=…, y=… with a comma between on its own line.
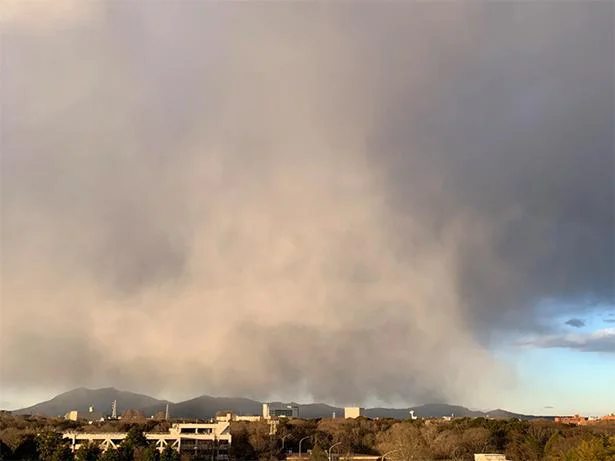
x=354, y=202
x=302, y=402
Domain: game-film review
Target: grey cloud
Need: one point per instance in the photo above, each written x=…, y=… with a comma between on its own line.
x=264, y=191
x=599, y=341
x=576, y=323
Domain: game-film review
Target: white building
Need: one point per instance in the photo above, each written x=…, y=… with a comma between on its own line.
x=353, y=412
x=229, y=416
x=182, y=437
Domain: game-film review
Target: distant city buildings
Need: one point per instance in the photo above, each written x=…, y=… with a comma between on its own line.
x=578, y=420
x=91, y=416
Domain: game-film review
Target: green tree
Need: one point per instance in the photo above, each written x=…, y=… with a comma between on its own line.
x=135, y=438
x=318, y=454
x=88, y=452
x=26, y=449
x=111, y=454
x=169, y=454
x=5, y=451
x=63, y=453
x=262, y=442
x=589, y=450
x=47, y=443
x=148, y=453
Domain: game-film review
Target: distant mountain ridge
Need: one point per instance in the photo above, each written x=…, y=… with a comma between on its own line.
x=81, y=399
x=206, y=406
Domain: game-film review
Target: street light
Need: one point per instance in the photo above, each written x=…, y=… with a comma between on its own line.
x=331, y=448
x=388, y=453
x=284, y=438
x=304, y=438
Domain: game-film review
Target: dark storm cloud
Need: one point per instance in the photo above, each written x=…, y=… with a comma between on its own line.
x=576, y=323
x=346, y=201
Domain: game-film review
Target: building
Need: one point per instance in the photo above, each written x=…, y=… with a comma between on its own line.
x=227, y=417
x=576, y=420
x=211, y=439
x=280, y=411
x=353, y=412
x=489, y=457
x=91, y=416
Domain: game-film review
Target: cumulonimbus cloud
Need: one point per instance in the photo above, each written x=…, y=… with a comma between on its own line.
x=343, y=202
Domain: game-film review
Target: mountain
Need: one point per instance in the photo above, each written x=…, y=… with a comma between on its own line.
x=206, y=406
x=82, y=398
x=319, y=410
x=504, y=414
x=430, y=410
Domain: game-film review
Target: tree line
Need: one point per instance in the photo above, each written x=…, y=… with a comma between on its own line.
x=41, y=439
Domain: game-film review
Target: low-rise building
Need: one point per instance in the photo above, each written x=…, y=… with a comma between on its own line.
x=353, y=412
x=204, y=438
x=227, y=417
x=576, y=420
x=280, y=411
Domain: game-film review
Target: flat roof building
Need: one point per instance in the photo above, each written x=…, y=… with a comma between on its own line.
x=206, y=438
x=280, y=411
x=353, y=412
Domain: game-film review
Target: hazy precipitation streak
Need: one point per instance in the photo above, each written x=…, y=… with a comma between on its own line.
x=249, y=199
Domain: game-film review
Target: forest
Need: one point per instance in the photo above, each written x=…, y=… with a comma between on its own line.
x=37, y=438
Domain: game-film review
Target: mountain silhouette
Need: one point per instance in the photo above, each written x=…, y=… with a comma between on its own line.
x=205, y=407
x=82, y=398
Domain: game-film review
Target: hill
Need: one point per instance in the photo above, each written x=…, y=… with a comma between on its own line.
x=205, y=407
x=101, y=399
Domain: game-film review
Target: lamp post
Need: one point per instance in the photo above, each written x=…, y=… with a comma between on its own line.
x=388, y=453
x=331, y=448
x=284, y=438
x=304, y=438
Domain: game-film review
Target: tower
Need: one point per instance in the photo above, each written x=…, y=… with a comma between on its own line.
x=266, y=413
x=166, y=412
x=114, y=409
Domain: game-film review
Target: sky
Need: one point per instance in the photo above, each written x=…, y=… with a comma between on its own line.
x=357, y=203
